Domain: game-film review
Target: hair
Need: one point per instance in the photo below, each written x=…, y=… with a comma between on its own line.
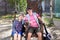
x=29, y=8
x=21, y=14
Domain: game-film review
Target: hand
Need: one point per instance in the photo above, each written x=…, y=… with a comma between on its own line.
x=25, y=26
x=42, y=23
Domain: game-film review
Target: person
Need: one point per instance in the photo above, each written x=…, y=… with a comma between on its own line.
x=33, y=23
x=17, y=28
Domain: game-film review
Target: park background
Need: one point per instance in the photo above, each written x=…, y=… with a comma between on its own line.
x=10, y=9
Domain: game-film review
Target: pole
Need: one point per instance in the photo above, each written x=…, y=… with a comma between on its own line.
x=15, y=11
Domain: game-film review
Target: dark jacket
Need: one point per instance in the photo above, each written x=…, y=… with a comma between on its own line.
x=17, y=26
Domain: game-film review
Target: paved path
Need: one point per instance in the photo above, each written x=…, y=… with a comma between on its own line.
x=55, y=31
x=5, y=30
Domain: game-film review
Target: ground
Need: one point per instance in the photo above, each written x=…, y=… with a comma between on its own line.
x=6, y=28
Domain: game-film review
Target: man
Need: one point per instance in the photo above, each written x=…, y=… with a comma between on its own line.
x=32, y=19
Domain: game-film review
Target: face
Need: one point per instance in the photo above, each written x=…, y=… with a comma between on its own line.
x=20, y=17
x=29, y=11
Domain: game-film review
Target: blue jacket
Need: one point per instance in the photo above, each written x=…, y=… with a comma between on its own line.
x=17, y=26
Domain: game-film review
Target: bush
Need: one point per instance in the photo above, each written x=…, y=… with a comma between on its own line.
x=49, y=22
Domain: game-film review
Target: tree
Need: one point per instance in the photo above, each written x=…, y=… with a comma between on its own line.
x=23, y=5
x=51, y=21
x=20, y=5
x=51, y=8
x=11, y=2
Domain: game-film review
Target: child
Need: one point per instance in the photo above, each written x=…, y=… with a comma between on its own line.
x=17, y=28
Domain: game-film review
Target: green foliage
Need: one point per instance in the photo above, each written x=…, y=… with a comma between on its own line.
x=56, y=18
x=23, y=5
x=11, y=2
x=49, y=22
x=8, y=16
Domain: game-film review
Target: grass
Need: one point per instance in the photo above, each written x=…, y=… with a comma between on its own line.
x=48, y=22
x=7, y=16
x=56, y=18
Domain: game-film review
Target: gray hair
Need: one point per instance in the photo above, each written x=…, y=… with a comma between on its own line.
x=21, y=14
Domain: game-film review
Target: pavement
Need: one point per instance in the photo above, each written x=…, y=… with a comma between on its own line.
x=6, y=25
x=5, y=29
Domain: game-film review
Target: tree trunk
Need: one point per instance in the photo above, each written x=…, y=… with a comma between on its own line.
x=51, y=8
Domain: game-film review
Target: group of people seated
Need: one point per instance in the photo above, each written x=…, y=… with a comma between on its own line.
x=30, y=22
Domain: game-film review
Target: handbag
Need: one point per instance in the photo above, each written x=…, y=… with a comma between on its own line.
x=48, y=36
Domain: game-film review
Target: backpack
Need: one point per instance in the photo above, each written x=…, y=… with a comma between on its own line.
x=47, y=35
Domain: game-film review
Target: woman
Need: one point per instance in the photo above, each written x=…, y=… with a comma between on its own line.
x=17, y=28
